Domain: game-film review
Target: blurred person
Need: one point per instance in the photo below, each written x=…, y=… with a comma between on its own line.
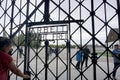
x=6, y=61
x=20, y=52
x=86, y=53
x=78, y=58
x=116, y=58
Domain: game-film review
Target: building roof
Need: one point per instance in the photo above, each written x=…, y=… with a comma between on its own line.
x=113, y=35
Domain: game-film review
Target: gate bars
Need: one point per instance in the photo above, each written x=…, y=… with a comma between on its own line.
x=87, y=20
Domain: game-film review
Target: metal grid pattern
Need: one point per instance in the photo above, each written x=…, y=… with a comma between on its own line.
x=88, y=22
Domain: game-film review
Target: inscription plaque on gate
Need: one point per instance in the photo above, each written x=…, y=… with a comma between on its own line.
x=56, y=32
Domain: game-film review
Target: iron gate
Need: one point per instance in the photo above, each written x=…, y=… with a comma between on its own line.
x=89, y=22
x=48, y=53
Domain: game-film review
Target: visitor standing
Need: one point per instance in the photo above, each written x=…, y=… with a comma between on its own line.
x=6, y=61
x=116, y=58
x=86, y=53
x=78, y=58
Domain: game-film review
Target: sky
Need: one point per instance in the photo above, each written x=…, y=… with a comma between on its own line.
x=75, y=13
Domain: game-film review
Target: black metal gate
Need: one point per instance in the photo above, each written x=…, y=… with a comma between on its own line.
x=46, y=56
x=50, y=31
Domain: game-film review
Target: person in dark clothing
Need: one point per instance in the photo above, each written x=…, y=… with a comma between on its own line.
x=20, y=52
x=86, y=53
x=78, y=58
x=116, y=56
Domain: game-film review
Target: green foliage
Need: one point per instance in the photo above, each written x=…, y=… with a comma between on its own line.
x=32, y=40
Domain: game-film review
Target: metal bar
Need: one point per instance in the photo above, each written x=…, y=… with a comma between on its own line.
x=81, y=44
x=118, y=12
x=26, y=57
x=53, y=22
x=48, y=26
x=68, y=60
x=68, y=46
x=107, y=57
x=94, y=60
x=46, y=11
x=46, y=59
x=12, y=13
x=57, y=57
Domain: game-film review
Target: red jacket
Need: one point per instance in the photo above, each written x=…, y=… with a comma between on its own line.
x=5, y=60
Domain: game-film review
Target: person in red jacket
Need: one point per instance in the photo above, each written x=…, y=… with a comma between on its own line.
x=6, y=61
